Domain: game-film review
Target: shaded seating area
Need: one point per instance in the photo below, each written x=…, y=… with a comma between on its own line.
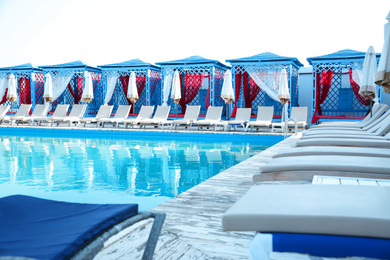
x=59, y=114
x=22, y=112
x=39, y=112
x=74, y=117
x=255, y=77
x=263, y=119
x=201, y=83
x=71, y=85
x=116, y=84
x=336, y=86
x=48, y=229
x=28, y=80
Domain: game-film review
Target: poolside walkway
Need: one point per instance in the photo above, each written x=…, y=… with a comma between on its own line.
x=193, y=228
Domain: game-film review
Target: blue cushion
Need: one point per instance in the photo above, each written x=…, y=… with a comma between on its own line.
x=331, y=246
x=46, y=229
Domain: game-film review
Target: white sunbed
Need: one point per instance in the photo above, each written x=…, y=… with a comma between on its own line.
x=3, y=111
x=242, y=118
x=161, y=115
x=375, y=131
x=145, y=112
x=121, y=114
x=59, y=113
x=23, y=111
x=336, y=219
x=39, y=112
x=190, y=116
x=213, y=118
x=264, y=118
x=103, y=112
x=75, y=115
x=299, y=115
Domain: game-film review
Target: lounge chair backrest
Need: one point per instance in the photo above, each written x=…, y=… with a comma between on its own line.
x=265, y=113
x=122, y=111
x=192, y=113
x=162, y=112
x=299, y=113
x=40, y=110
x=61, y=110
x=23, y=110
x=243, y=114
x=104, y=111
x=4, y=110
x=77, y=110
x=214, y=113
x=145, y=112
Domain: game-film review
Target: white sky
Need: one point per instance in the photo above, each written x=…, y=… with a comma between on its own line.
x=47, y=32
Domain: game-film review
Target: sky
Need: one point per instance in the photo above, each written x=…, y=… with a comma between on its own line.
x=98, y=32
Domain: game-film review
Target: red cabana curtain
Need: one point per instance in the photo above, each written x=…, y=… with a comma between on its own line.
x=251, y=90
x=324, y=82
x=25, y=93
x=192, y=84
x=79, y=85
x=356, y=88
x=4, y=97
x=140, y=82
x=237, y=93
x=208, y=102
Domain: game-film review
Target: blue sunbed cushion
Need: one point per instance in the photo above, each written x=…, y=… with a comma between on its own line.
x=46, y=229
x=331, y=246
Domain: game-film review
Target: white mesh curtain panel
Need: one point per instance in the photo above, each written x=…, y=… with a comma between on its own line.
x=167, y=88
x=111, y=83
x=60, y=84
x=3, y=87
x=357, y=76
x=269, y=84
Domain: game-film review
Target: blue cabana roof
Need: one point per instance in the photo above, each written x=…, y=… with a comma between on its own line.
x=71, y=65
x=267, y=57
x=129, y=63
x=26, y=66
x=346, y=54
x=193, y=60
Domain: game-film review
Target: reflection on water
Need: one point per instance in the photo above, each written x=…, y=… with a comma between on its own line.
x=129, y=167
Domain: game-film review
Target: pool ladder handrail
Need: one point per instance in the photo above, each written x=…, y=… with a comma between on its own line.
x=286, y=126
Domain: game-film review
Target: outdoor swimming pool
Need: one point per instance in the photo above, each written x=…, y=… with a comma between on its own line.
x=116, y=166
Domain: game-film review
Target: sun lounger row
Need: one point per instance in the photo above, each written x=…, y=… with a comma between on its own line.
x=322, y=220
x=145, y=117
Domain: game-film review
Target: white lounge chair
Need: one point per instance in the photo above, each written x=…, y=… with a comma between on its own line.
x=190, y=116
x=243, y=116
x=3, y=111
x=103, y=112
x=264, y=118
x=144, y=113
x=380, y=109
x=121, y=114
x=161, y=115
x=74, y=117
x=23, y=110
x=299, y=115
x=213, y=117
x=39, y=112
x=59, y=113
x=335, y=220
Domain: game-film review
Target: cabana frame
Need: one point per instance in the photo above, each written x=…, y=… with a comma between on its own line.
x=340, y=102
x=29, y=80
x=148, y=77
x=77, y=69
x=212, y=70
x=264, y=63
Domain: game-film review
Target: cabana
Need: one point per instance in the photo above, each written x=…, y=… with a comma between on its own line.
x=116, y=79
x=200, y=81
x=268, y=67
x=29, y=79
x=336, y=87
x=69, y=82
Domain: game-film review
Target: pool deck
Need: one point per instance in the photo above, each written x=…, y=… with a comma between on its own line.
x=193, y=227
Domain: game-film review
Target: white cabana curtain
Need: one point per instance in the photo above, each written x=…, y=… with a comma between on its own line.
x=111, y=83
x=267, y=81
x=60, y=84
x=167, y=89
x=357, y=76
x=3, y=87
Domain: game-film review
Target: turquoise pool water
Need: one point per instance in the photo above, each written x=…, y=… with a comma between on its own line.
x=116, y=167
